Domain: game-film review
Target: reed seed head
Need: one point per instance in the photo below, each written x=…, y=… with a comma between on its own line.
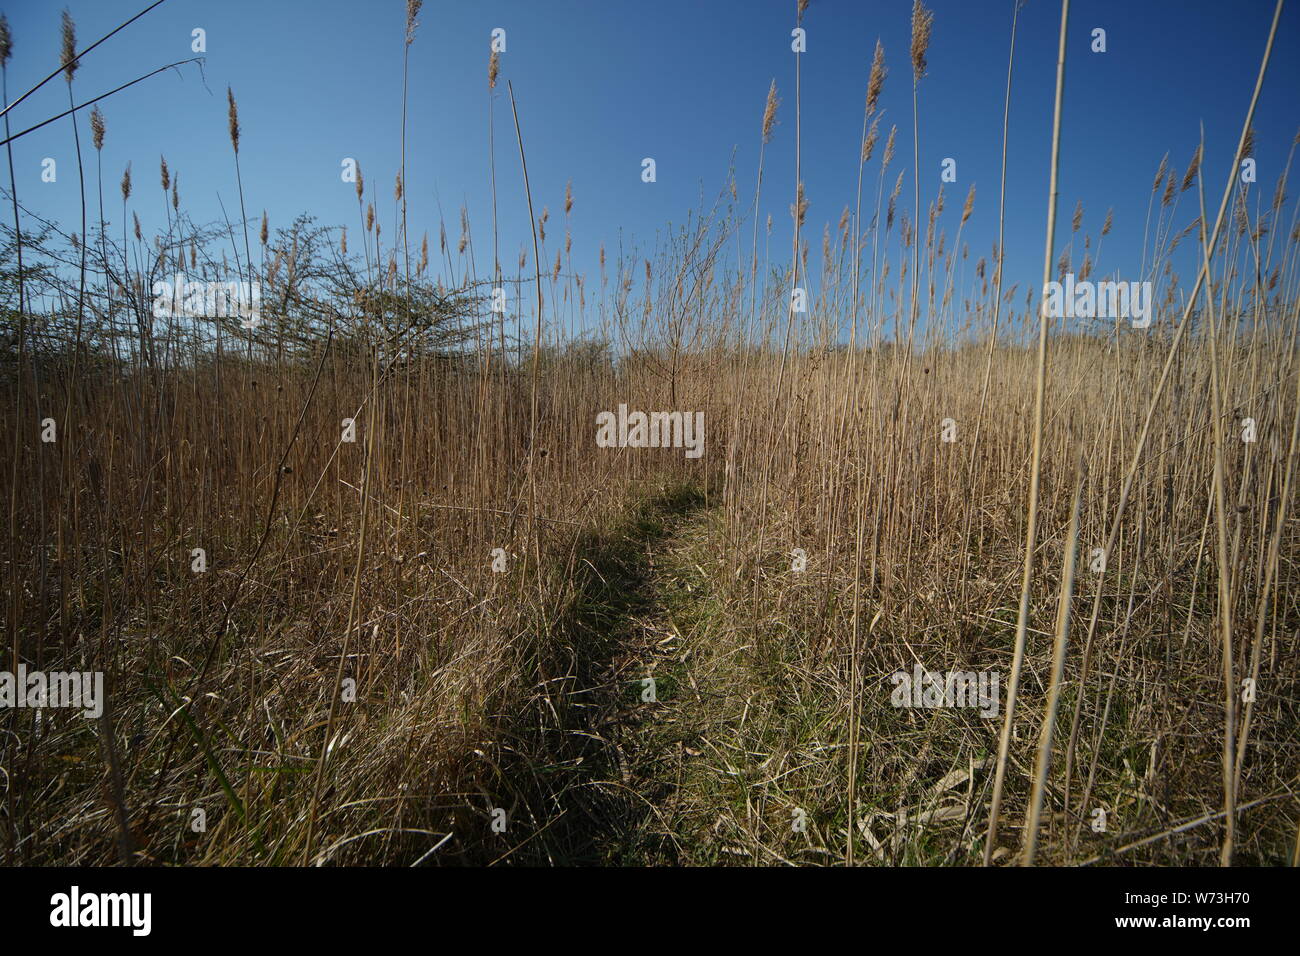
x=969, y=205
x=922, y=28
x=893, y=200
x=769, y=112
x=68, y=56
x=568, y=197
x=163, y=175
x=1192, y=168
x=1160, y=173
x=799, y=208
x=869, y=144
x=265, y=231
x=6, y=41
x=233, y=116
x=126, y=183
x=876, y=82
x=97, y=128
x=494, y=67
x=412, y=11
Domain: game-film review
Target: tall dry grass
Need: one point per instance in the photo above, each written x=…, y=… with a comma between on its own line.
x=367, y=564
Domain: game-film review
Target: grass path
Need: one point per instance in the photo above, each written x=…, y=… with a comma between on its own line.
x=740, y=757
x=702, y=766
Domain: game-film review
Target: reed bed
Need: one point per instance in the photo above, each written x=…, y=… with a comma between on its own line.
x=1102, y=514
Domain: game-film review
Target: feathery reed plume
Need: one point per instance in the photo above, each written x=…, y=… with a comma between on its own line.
x=1110, y=218
x=568, y=197
x=969, y=205
x=1171, y=185
x=893, y=201
x=412, y=11
x=1192, y=168
x=869, y=144
x=494, y=68
x=397, y=188
x=922, y=27
x=1077, y=221
x=799, y=207
x=769, y=112
x=876, y=82
x=1248, y=144
x=97, y=128
x=801, y=8
x=176, y=196
x=1160, y=172
x=361, y=183
x=139, y=236
x=164, y=175
x=126, y=183
x=424, y=252
x=265, y=230
x=6, y=41
x=889, y=149
x=233, y=117
x=343, y=241
x=69, y=51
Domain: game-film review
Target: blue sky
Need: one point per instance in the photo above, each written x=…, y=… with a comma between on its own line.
x=600, y=85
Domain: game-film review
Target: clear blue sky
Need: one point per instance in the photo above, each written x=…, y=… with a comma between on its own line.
x=602, y=84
